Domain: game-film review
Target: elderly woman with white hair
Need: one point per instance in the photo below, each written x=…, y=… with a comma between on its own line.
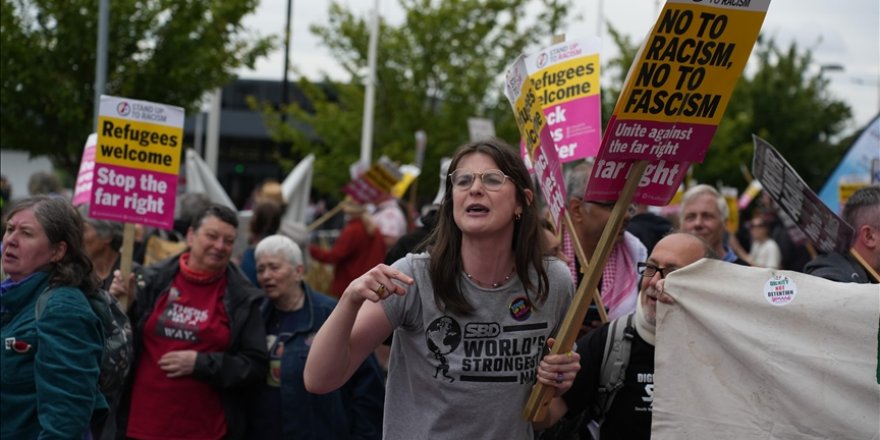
x=293, y=312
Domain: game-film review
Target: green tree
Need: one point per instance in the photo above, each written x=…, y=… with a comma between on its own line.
x=442, y=65
x=165, y=51
x=785, y=101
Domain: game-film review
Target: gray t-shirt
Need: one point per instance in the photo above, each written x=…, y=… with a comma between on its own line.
x=467, y=377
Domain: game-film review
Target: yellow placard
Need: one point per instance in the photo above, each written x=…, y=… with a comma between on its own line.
x=846, y=190
x=732, y=210
x=567, y=81
x=139, y=145
x=401, y=187
x=690, y=63
x=529, y=116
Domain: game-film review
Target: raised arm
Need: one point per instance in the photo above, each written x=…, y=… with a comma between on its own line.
x=354, y=329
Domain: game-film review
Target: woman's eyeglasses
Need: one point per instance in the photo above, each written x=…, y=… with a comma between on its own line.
x=648, y=270
x=492, y=180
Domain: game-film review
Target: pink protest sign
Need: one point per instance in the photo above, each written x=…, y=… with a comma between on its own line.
x=131, y=195
x=374, y=184
x=565, y=77
x=549, y=173
x=633, y=140
x=137, y=159
x=82, y=193
x=520, y=92
x=362, y=191
x=656, y=187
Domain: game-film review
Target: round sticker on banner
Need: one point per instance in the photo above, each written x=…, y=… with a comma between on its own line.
x=780, y=290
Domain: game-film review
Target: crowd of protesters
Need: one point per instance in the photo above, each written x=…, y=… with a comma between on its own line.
x=243, y=346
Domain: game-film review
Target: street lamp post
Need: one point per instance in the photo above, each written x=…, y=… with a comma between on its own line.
x=101, y=57
x=284, y=97
x=370, y=92
x=831, y=67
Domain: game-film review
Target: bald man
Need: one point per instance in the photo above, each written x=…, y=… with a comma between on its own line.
x=629, y=416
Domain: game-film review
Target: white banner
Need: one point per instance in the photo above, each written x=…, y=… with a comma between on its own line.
x=749, y=353
x=295, y=189
x=200, y=179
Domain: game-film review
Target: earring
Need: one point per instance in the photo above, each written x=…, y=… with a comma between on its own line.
x=517, y=216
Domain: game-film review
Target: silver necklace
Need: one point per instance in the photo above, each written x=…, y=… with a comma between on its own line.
x=493, y=285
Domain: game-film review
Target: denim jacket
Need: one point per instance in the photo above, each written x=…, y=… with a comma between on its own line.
x=352, y=412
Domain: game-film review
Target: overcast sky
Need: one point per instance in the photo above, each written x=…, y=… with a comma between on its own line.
x=845, y=33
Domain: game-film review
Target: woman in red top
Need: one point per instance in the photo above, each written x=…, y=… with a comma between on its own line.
x=199, y=340
x=360, y=246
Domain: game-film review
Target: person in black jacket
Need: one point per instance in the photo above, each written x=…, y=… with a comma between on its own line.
x=200, y=341
x=648, y=227
x=862, y=212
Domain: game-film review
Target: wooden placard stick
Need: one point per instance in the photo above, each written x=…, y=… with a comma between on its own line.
x=871, y=272
x=579, y=250
x=328, y=215
x=125, y=258
x=811, y=249
x=585, y=265
x=539, y=399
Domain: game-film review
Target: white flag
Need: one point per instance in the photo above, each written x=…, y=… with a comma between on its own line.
x=295, y=190
x=200, y=179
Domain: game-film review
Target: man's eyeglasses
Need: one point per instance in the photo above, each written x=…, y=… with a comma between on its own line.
x=492, y=180
x=631, y=209
x=608, y=204
x=648, y=270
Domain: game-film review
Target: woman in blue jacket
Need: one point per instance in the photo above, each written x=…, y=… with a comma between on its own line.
x=281, y=407
x=50, y=365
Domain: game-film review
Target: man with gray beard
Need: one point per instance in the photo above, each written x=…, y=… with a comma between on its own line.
x=629, y=413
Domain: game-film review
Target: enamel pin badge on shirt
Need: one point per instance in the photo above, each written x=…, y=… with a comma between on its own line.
x=17, y=346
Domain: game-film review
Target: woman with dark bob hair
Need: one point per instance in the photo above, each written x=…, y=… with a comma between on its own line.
x=50, y=363
x=470, y=317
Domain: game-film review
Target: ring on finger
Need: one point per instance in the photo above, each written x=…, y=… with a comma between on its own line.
x=560, y=377
x=380, y=290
